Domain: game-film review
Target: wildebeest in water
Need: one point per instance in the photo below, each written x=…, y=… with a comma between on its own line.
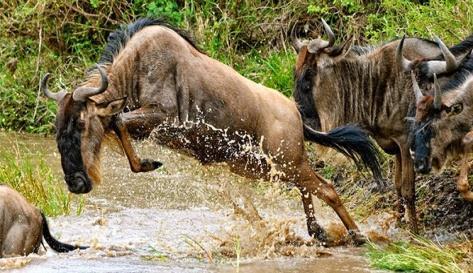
x=342, y=84
x=22, y=226
x=151, y=78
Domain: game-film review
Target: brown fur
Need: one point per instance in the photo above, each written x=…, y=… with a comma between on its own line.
x=452, y=131
x=20, y=224
x=463, y=185
x=424, y=108
x=22, y=227
x=369, y=89
x=451, y=128
x=203, y=108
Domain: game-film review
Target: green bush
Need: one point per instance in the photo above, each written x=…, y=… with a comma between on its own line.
x=65, y=37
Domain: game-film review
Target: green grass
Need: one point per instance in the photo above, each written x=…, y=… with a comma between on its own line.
x=420, y=255
x=34, y=179
x=65, y=37
x=155, y=255
x=273, y=70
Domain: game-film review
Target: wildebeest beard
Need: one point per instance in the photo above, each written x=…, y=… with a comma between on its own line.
x=303, y=95
x=420, y=146
x=69, y=145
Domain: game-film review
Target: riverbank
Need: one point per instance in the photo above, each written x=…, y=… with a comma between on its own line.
x=205, y=219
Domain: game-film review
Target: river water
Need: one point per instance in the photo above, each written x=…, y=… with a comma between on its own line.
x=183, y=217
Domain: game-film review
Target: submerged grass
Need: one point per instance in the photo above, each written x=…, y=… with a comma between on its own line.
x=420, y=255
x=34, y=179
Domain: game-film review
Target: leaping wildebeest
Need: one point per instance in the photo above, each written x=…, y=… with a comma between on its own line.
x=151, y=78
x=22, y=226
x=443, y=125
x=343, y=84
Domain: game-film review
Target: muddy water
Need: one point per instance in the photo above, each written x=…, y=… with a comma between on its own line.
x=184, y=217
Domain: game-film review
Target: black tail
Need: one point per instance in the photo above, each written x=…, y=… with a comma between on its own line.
x=351, y=141
x=55, y=244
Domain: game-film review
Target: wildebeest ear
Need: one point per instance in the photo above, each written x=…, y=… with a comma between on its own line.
x=455, y=109
x=315, y=45
x=111, y=108
x=298, y=44
x=468, y=139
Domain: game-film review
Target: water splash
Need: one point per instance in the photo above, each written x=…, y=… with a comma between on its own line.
x=210, y=144
x=174, y=219
x=252, y=236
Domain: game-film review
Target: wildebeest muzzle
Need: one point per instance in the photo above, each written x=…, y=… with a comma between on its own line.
x=78, y=183
x=422, y=165
x=421, y=149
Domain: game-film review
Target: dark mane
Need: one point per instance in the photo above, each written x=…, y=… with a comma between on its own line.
x=362, y=50
x=304, y=98
x=426, y=40
x=460, y=75
x=463, y=47
x=118, y=39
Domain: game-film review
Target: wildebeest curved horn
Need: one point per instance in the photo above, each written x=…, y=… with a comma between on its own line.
x=296, y=43
x=82, y=93
x=331, y=36
x=437, y=95
x=450, y=60
x=415, y=86
x=44, y=87
x=406, y=65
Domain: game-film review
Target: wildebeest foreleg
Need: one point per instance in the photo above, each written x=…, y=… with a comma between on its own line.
x=408, y=188
x=398, y=186
x=136, y=164
x=462, y=183
x=315, y=230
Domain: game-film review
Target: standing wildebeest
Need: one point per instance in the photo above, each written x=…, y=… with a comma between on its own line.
x=152, y=78
x=338, y=85
x=443, y=119
x=22, y=226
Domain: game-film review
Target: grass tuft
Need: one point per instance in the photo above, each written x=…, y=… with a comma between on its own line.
x=420, y=255
x=35, y=180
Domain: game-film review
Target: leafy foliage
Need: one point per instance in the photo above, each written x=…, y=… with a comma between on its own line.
x=65, y=37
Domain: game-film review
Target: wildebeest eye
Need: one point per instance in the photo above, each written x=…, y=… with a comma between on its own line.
x=455, y=109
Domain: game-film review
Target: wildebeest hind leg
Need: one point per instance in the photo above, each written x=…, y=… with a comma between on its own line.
x=315, y=184
x=15, y=241
x=136, y=164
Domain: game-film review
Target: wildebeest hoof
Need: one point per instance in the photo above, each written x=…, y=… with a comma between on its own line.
x=379, y=186
x=149, y=165
x=356, y=238
x=157, y=164
x=321, y=235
